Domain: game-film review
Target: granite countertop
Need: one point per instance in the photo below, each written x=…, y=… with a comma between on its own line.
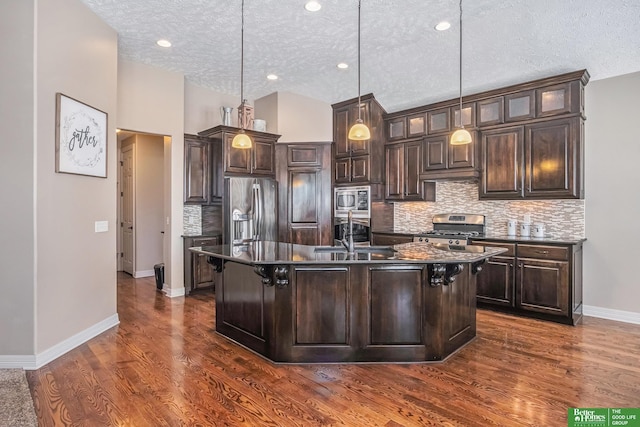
x=267, y=252
x=208, y=234
x=549, y=238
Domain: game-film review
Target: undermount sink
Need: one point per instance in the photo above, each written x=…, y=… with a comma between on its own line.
x=357, y=249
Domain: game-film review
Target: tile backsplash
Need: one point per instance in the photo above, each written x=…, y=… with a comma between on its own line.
x=192, y=220
x=561, y=218
x=201, y=220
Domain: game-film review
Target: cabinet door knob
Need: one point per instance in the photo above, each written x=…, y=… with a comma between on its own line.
x=542, y=252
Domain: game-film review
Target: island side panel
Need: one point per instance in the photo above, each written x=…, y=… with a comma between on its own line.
x=450, y=317
x=314, y=315
x=244, y=307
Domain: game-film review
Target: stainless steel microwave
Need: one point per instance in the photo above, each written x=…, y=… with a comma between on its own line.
x=355, y=199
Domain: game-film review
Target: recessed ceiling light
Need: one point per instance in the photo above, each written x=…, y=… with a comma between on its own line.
x=343, y=66
x=313, y=6
x=444, y=25
x=163, y=43
x=272, y=77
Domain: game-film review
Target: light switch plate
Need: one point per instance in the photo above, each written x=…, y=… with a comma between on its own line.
x=102, y=226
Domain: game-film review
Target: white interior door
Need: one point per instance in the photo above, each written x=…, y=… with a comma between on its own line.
x=128, y=197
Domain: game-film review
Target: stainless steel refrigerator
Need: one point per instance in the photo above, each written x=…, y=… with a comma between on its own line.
x=250, y=210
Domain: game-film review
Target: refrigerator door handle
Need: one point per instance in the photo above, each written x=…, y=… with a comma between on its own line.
x=259, y=211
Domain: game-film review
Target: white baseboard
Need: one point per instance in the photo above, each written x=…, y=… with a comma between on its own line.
x=611, y=314
x=31, y=362
x=173, y=293
x=17, y=361
x=143, y=273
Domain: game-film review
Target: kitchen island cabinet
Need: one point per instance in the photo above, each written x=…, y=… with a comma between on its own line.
x=294, y=303
x=541, y=279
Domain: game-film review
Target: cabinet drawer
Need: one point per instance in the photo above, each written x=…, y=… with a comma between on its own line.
x=543, y=252
x=206, y=241
x=510, y=247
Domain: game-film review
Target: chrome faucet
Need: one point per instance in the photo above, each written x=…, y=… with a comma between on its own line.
x=347, y=238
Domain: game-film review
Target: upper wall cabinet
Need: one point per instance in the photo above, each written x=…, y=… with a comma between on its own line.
x=259, y=160
x=197, y=170
x=360, y=162
x=543, y=160
x=519, y=147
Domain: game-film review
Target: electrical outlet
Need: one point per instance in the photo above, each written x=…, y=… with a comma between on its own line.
x=407, y=216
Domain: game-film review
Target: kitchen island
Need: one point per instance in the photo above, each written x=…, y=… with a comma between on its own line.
x=294, y=303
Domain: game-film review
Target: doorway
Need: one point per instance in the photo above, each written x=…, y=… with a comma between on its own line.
x=141, y=202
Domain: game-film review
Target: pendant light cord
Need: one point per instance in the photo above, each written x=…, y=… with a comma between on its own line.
x=460, y=63
x=242, y=64
x=359, y=5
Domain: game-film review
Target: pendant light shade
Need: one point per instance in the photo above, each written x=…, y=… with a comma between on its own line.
x=461, y=136
x=241, y=140
x=359, y=131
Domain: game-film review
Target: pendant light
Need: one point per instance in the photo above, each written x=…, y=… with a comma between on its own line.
x=241, y=140
x=461, y=136
x=359, y=131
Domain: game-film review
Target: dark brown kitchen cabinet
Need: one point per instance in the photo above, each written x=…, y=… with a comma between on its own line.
x=345, y=117
x=359, y=162
x=541, y=280
x=502, y=153
x=543, y=160
x=416, y=125
x=403, y=167
x=198, y=273
x=468, y=116
x=490, y=111
x=259, y=160
x=496, y=284
x=397, y=129
x=304, y=193
x=197, y=172
x=438, y=121
x=442, y=160
x=519, y=106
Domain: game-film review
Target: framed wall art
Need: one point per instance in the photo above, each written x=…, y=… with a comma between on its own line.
x=81, y=138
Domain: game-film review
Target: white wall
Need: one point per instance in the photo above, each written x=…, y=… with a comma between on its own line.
x=266, y=108
x=299, y=118
x=202, y=108
x=612, y=204
x=75, y=267
x=17, y=174
x=152, y=100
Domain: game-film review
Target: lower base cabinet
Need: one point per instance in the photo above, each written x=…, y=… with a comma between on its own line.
x=536, y=280
x=198, y=274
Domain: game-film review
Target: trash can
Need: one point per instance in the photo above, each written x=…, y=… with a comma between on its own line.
x=159, y=270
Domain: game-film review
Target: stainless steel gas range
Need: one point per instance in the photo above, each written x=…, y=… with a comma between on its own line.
x=453, y=229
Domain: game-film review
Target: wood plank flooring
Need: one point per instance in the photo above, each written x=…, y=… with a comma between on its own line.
x=165, y=366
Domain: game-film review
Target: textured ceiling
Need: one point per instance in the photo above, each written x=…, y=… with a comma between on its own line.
x=405, y=62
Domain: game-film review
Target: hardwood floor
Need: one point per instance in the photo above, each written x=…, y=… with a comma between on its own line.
x=164, y=366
